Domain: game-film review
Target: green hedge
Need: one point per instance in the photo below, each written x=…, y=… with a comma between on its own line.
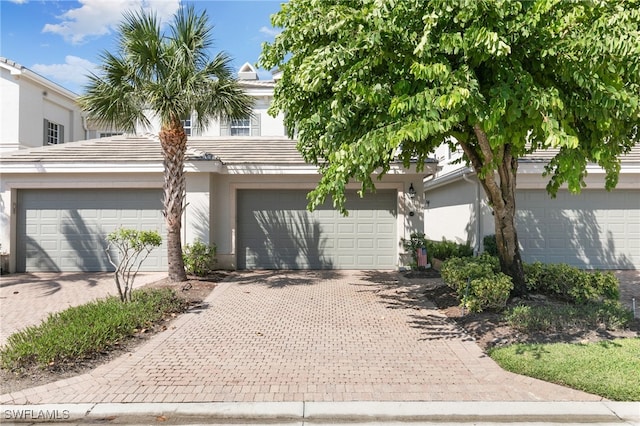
x=570, y=283
x=444, y=249
x=480, y=285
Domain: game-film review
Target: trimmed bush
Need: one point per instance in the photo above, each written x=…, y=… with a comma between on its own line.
x=199, y=258
x=569, y=283
x=478, y=282
x=489, y=293
x=444, y=249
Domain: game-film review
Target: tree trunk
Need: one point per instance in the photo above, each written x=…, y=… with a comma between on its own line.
x=174, y=145
x=501, y=193
x=507, y=242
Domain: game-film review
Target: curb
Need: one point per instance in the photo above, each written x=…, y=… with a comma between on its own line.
x=603, y=412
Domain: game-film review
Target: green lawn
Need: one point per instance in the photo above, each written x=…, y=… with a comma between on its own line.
x=610, y=368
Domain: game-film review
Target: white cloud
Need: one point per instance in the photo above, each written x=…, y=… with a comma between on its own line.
x=72, y=73
x=18, y=1
x=95, y=18
x=271, y=32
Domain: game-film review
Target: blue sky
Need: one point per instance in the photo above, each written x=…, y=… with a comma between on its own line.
x=62, y=40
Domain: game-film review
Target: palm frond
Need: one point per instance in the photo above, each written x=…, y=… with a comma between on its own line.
x=167, y=75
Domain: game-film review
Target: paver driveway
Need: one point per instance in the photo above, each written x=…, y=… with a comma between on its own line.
x=305, y=336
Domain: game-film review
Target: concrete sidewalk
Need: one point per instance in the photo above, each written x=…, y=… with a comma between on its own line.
x=302, y=413
x=309, y=336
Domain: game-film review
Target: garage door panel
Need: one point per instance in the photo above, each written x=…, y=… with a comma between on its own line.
x=346, y=243
x=385, y=228
x=326, y=214
x=366, y=214
x=365, y=243
x=385, y=244
x=318, y=240
x=365, y=228
x=66, y=229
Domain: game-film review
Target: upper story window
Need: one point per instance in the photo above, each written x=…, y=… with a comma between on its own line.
x=186, y=125
x=108, y=134
x=53, y=133
x=241, y=127
x=248, y=126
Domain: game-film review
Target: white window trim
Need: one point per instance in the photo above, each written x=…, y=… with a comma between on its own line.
x=53, y=133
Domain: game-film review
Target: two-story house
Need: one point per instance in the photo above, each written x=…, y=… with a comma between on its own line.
x=246, y=192
x=35, y=111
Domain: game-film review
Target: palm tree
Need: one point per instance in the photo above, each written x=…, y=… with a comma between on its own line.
x=168, y=75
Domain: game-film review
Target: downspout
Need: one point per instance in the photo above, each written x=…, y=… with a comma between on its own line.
x=476, y=248
x=84, y=126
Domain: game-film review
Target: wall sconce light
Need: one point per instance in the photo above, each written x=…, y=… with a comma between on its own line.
x=427, y=202
x=411, y=192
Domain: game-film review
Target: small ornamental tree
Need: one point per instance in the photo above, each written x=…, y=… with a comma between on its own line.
x=132, y=247
x=367, y=81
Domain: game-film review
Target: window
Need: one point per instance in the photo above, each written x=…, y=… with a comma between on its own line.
x=241, y=127
x=53, y=133
x=248, y=126
x=186, y=124
x=108, y=134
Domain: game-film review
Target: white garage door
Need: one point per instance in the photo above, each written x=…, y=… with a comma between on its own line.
x=66, y=229
x=596, y=229
x=275, y=231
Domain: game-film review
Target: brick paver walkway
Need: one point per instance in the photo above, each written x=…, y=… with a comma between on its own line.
x=304, y=336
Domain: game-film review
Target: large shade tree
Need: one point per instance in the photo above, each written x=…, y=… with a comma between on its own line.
x=168, y=75
x=365, y=81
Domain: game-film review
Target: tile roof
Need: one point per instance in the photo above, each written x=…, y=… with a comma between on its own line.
x=121, y=149
x=544, y=156
x=259, y=150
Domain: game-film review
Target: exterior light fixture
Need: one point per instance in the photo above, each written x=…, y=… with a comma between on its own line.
x=411, y=192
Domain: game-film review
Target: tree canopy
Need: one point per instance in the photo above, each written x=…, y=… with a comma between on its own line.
x=366, y=81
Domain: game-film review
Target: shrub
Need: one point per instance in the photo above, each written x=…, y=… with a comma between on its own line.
x=83, y=331
x=199, y=258
x=416, y=241
x=609, y=314
x=444, y=249
x=477, y=281
x=488, y=293
x=569, y=283
x=490, y=245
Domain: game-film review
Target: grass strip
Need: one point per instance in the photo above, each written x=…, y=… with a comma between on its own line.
x=81, y=332
x=610, y=369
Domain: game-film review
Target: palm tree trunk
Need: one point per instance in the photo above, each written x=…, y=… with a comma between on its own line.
x=174, y=145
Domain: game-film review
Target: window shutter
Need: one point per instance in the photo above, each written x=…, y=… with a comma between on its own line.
x=255, y=125
x=60, y=133
x=45, y=138
x=225, y=127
